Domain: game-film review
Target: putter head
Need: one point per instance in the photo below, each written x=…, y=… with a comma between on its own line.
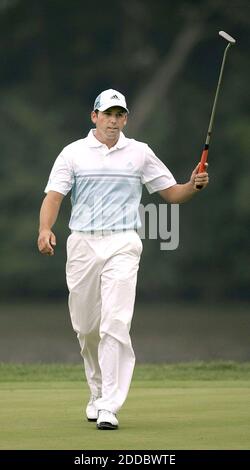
x=227, y=37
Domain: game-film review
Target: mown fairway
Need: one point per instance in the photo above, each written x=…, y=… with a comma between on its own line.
x=183, y=406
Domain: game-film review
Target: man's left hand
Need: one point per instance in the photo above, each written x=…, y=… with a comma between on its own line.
x=199, y=179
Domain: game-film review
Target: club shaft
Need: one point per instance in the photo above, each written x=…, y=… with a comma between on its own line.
x=210, y=127
x=204, y=155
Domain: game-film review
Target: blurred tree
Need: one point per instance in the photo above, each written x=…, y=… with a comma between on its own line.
x=56, y=56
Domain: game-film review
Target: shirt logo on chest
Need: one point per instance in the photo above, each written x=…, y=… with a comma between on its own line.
x=130, y=166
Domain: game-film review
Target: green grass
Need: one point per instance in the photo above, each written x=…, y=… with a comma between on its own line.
x=178, y=406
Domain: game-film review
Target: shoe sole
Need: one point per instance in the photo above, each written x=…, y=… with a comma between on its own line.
x=107, y=426
x=92, y=419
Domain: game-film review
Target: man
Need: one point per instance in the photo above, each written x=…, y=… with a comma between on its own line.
x=105, y=173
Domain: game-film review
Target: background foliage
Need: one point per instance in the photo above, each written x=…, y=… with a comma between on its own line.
x=56, y=56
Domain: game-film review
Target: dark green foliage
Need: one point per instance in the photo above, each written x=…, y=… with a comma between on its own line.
x=56, y=56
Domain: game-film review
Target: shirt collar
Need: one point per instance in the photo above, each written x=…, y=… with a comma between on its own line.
x=92, y=141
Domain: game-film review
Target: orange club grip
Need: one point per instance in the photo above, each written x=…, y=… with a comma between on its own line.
x=203, y=160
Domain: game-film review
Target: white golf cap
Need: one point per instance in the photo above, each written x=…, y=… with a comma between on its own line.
x=109, y=98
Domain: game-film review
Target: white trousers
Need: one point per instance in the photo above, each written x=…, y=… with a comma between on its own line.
x=101, y=274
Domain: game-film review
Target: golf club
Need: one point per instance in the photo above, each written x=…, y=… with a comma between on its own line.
x=204, y=155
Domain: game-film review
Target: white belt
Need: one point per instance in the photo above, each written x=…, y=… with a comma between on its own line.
x=100, y=233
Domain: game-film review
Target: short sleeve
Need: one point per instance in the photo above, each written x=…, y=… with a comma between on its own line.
x=155, y=175
x=61, y=178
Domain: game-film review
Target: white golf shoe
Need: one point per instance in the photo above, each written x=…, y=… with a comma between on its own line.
x=106, y=420
x=91, y=410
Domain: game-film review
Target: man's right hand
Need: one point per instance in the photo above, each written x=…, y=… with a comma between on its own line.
x=46, y=242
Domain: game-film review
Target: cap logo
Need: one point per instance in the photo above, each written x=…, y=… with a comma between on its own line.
x=114, y=97
x=97, y=102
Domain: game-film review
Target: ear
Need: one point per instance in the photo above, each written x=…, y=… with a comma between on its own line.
x=93, y=117
x=126, y=119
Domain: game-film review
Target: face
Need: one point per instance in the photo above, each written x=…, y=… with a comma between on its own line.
x=109, y=123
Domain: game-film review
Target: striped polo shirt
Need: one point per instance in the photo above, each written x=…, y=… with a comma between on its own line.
x=106, y=184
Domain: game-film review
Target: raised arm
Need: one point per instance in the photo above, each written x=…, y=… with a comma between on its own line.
x=48, y=215
x=179, y=193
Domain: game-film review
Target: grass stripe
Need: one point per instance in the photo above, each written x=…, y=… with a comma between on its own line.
x=208, y=371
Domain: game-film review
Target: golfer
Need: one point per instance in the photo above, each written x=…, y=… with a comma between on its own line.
x=105, y=173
